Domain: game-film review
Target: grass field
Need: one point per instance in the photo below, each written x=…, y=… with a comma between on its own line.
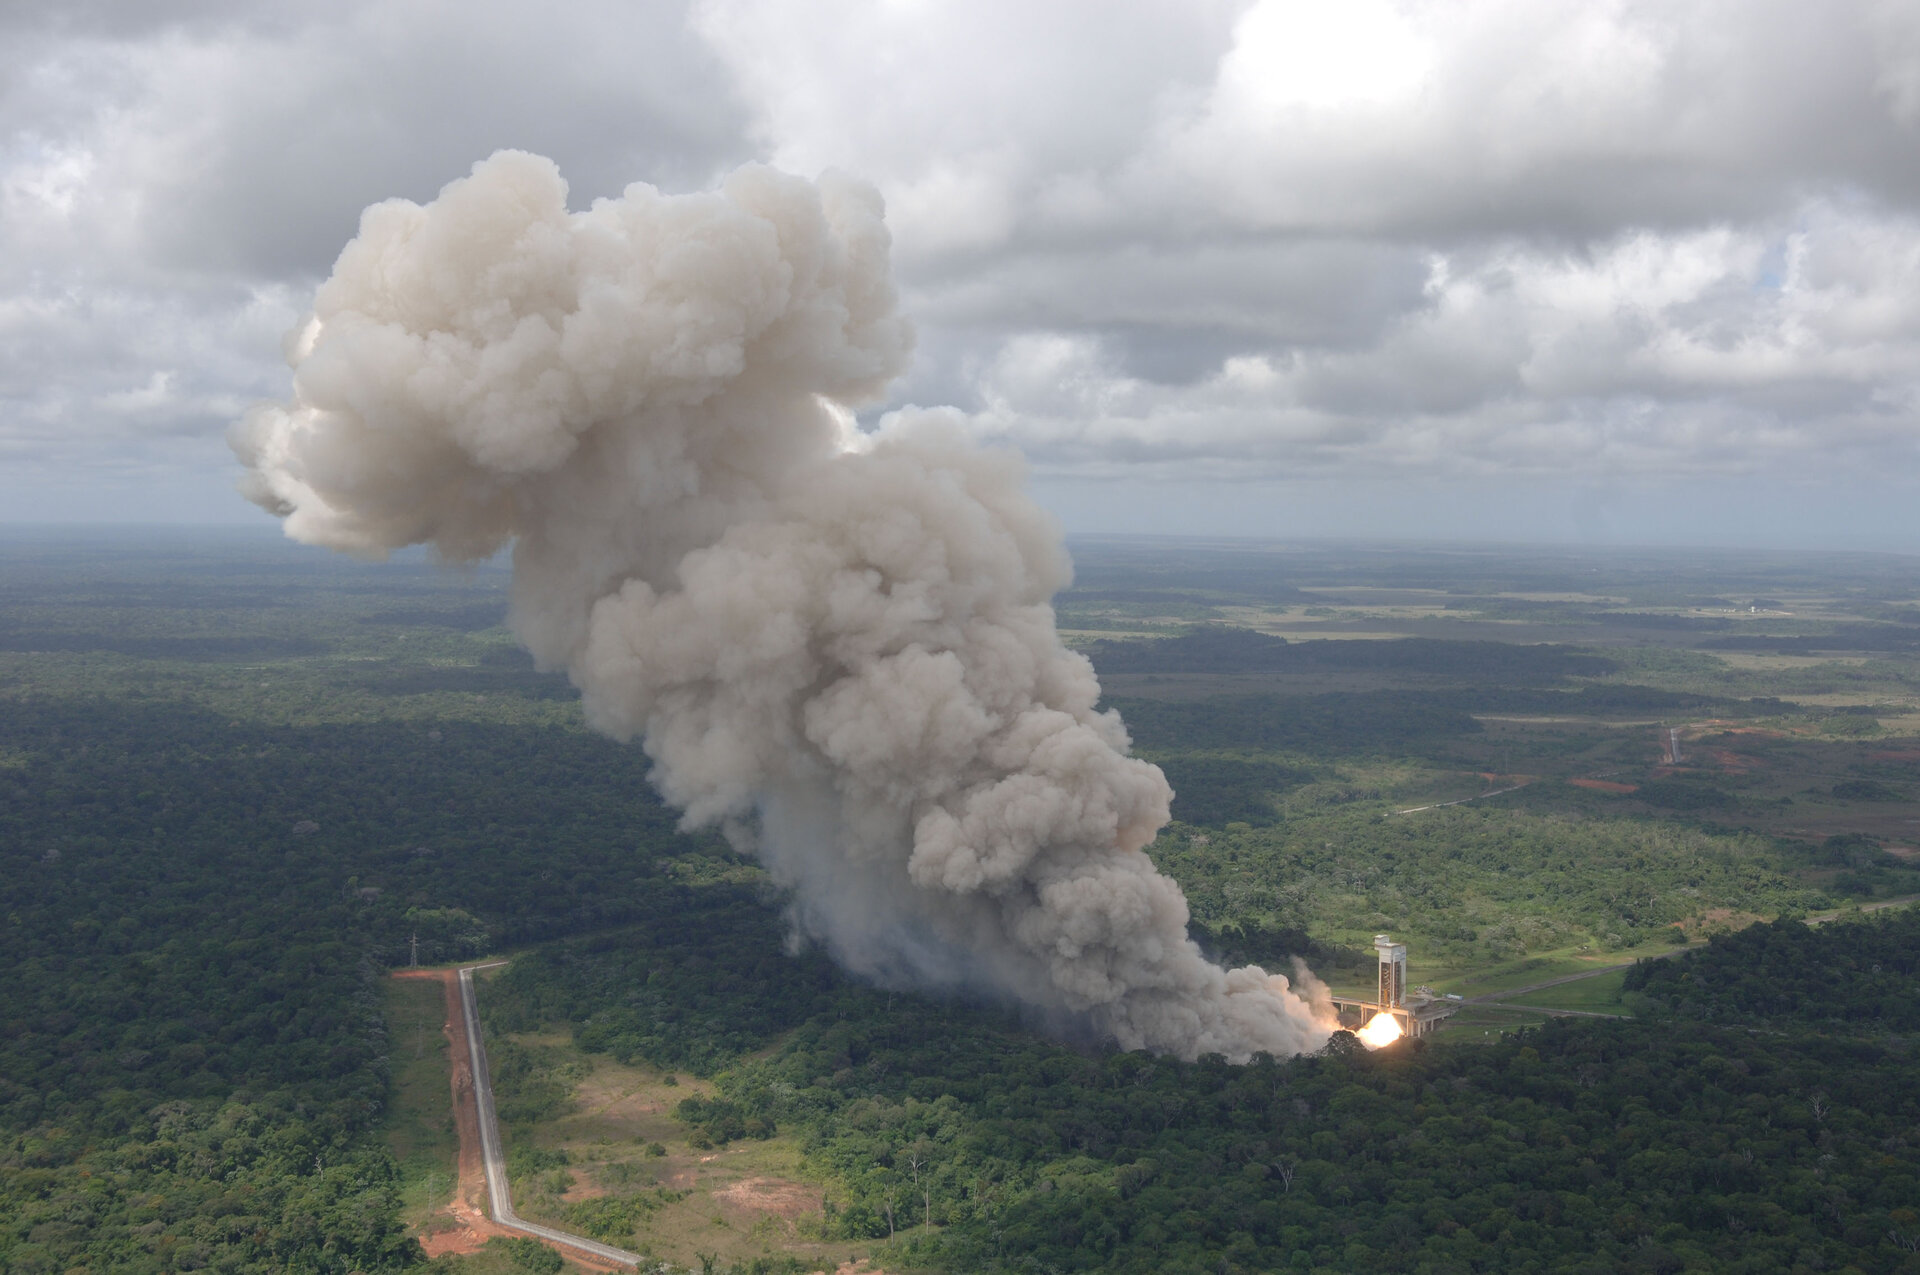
x=1599, y=994
x=628, y=1159
x=419, y=1124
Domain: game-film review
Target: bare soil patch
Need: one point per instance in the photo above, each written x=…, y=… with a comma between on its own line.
x=1728, y=760
x=583, y=1188
x=779, y=1196
x=613, y=1099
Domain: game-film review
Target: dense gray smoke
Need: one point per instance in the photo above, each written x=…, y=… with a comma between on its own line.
x=838, y=647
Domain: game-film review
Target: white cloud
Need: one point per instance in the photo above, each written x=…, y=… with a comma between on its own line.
x=1717, y=351
x=1295, y=58
x=1188, y=238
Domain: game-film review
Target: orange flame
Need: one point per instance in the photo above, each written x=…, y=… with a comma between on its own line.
x=1382, y=1031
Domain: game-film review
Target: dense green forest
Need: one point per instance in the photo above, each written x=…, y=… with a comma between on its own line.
x=1853, y=976
x=706, y=980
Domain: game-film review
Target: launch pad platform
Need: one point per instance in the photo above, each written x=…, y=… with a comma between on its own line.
x=1418, y=1012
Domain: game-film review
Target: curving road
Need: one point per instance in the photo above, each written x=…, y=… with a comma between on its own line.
x=499, y=1199
x=1442, y=805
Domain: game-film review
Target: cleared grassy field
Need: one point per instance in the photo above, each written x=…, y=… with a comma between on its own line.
x=419, y=1126
x=1599, y=994
x=628, y=1159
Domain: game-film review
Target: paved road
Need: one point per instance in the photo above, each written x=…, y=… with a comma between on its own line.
x=1442, y=805
x=500, y=1200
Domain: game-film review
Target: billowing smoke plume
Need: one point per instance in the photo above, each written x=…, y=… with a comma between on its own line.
x=837, y=647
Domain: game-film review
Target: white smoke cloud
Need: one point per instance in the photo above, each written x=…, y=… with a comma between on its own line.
x=842, y=654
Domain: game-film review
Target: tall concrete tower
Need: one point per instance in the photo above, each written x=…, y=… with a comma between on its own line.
x=1393, y=969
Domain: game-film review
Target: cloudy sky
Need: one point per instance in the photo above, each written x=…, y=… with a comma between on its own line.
x=1511, y=269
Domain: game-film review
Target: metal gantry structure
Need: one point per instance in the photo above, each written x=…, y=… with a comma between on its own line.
x=1417, y=1012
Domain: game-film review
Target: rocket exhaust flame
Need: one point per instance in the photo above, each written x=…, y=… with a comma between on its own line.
x=838, y=648
x=1382, y=1030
